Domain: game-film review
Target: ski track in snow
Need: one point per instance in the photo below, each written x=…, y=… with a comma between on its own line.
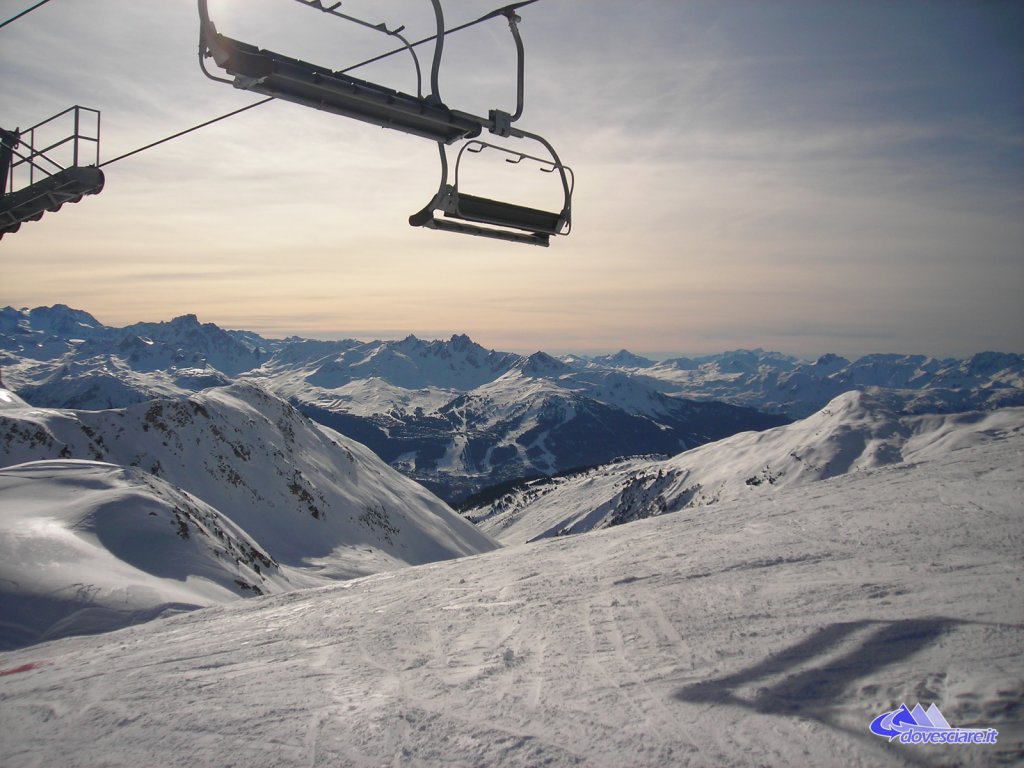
x=766, y=633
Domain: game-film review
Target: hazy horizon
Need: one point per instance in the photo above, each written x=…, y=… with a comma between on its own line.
x=428, y=336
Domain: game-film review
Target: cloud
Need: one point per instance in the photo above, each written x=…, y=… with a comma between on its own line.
x=743, y=168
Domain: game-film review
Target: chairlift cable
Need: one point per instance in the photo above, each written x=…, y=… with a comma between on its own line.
x=23, y=13
x=187, y=130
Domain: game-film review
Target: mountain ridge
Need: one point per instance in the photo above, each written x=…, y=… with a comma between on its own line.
x=853, y=433
x=458, y=417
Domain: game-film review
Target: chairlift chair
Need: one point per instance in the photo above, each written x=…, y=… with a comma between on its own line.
x=465, y=213
x=273, y=74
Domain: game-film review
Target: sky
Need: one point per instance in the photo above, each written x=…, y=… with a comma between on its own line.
x=806, y=177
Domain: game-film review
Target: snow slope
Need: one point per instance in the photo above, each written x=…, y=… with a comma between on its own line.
x=854, y=432
x=309, y=496
x=228, y=494
x=89, y=547
x=10, y=401
x=769, y=630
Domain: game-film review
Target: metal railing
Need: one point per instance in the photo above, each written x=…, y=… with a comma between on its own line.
x=55, y=154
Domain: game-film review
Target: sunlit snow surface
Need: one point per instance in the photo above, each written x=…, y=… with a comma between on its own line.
x=89, y=547
x=9, y=400
x=853, y=433
x=764, y=631
x=228, y=494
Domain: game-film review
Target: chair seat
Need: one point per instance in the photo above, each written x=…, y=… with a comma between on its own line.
x=487, y=211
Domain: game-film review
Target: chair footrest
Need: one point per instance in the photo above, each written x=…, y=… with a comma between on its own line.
x=450, y=225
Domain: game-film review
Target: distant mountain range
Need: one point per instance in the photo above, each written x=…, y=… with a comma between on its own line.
x=458, y=417
x=779, y=383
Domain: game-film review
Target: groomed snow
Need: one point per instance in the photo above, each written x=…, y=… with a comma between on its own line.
x=764, y=631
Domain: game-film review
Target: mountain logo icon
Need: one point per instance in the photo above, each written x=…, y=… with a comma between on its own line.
x=921, y=726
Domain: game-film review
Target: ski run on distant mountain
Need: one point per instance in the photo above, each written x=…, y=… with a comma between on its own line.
x=853, y=433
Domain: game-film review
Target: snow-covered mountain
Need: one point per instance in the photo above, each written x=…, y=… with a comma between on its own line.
x=62, y=357
x=304, y=495
x=456, y=364
x=622, y=359
x=779, y=383
x=89, y=547
x=539, y=417
x=437, y=410
x=853, y=433
x=44, y=333
x=184, y=344
x=458, y=417
x=10, y=401
x=770, y=630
